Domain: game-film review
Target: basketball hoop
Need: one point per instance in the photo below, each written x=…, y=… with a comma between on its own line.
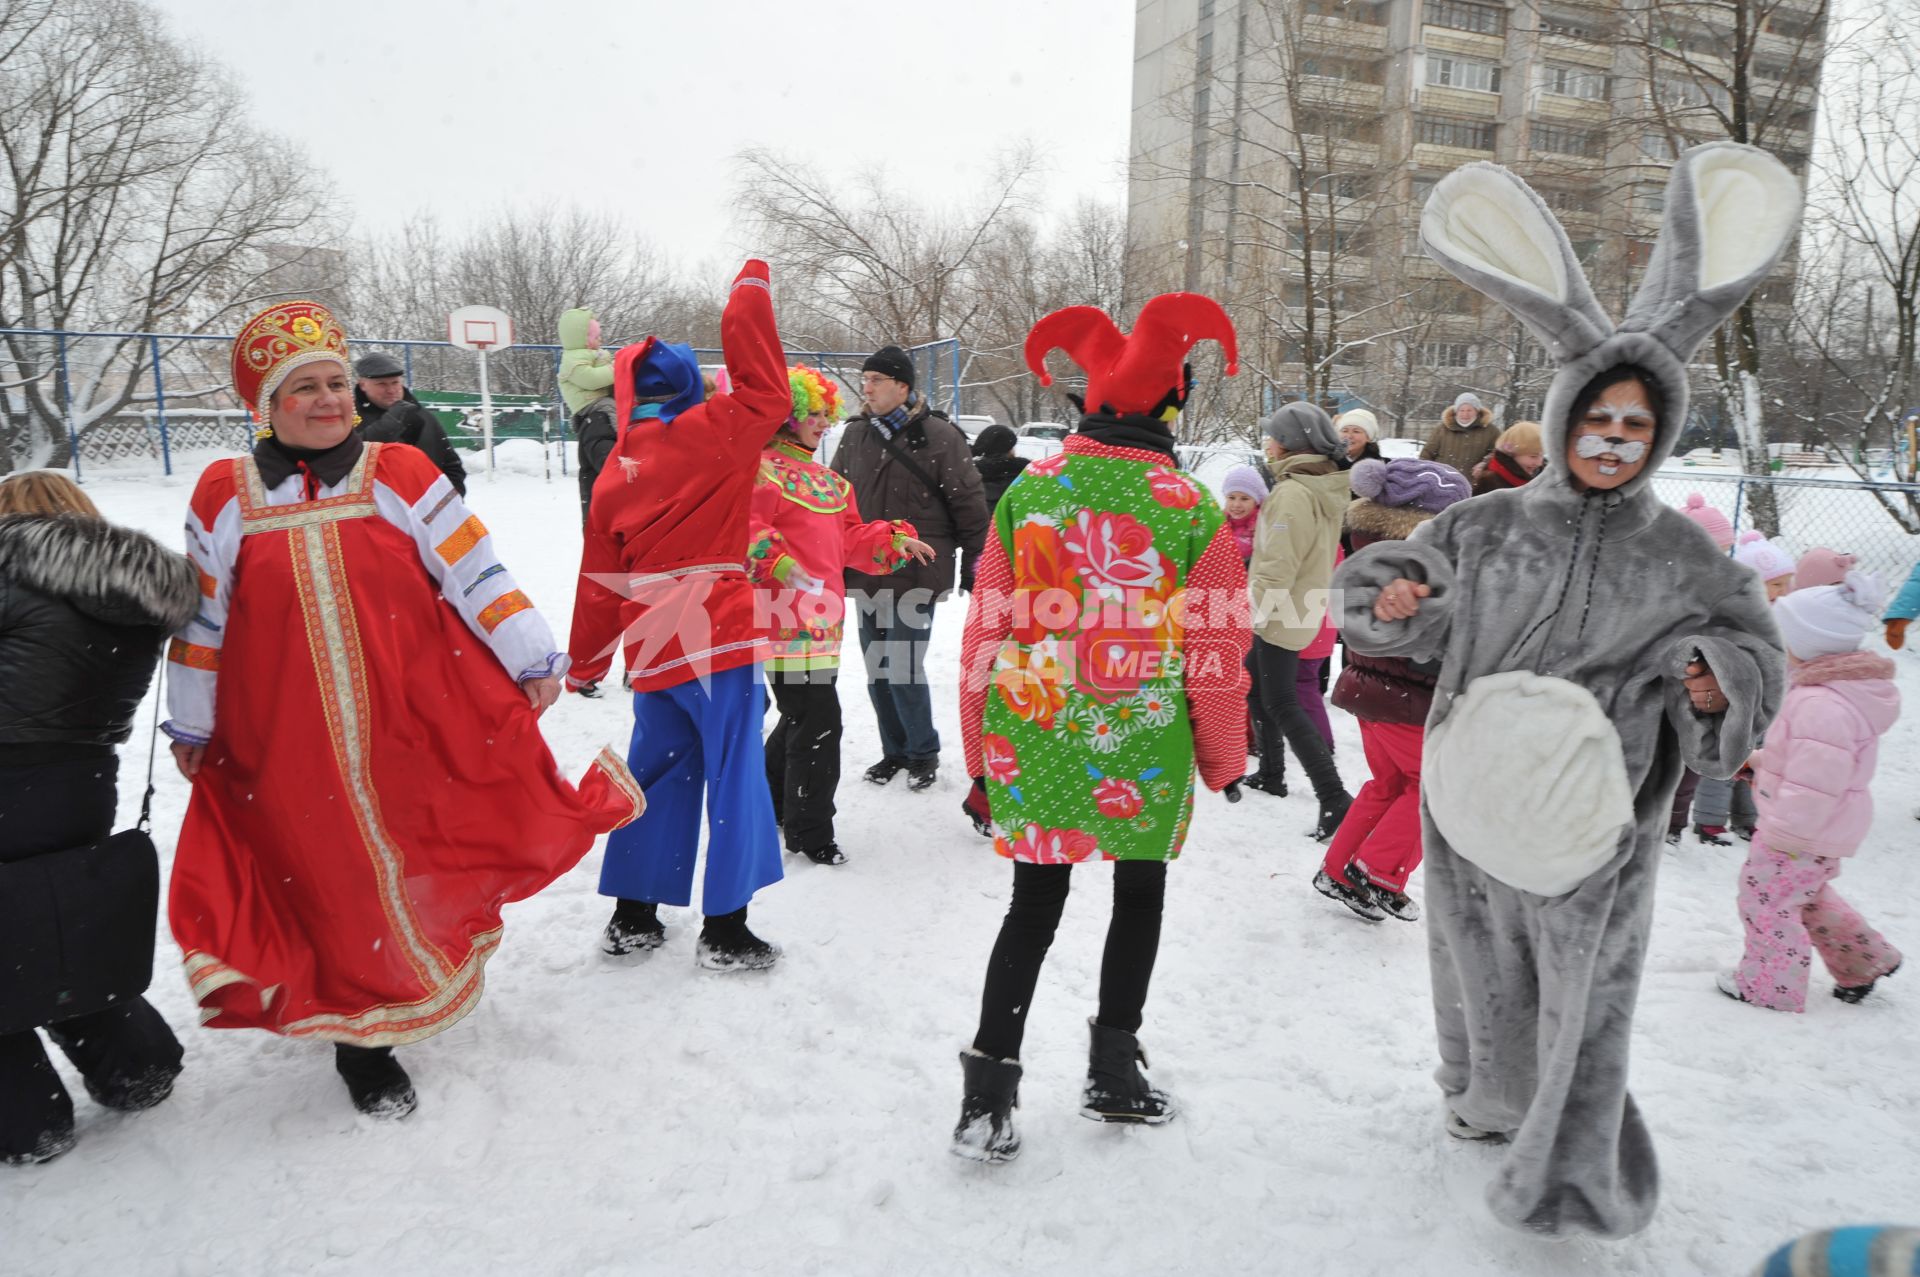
x=482, y=329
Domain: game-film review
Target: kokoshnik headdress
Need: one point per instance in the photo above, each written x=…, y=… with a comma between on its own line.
x=278, y=340
x=1138, y=372
x=1731, y=211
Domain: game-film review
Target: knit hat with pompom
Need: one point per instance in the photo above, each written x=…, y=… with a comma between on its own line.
x=1711, y=521
x=1821, y=566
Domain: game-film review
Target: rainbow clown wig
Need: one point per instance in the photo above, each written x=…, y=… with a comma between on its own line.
x=814, y=395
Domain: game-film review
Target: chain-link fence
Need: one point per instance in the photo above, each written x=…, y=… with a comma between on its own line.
x=145, y=403
x=1853, y=516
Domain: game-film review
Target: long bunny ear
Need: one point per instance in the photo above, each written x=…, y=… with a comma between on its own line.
x=1731, y=211
x=1084, y=332
x=1490, y=230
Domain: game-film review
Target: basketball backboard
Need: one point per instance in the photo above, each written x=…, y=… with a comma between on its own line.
x=480, y=328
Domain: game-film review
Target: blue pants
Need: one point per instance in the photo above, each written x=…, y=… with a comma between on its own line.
x=686, y=740
x=896, y=653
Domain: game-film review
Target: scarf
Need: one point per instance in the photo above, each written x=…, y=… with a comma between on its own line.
x=1243, y=529
x=1149, y=434
x=892, y=423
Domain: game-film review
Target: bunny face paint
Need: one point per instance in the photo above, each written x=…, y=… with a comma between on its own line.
x=1609, y=444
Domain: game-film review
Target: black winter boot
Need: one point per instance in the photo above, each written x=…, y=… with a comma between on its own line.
x=1116, y=1091
x=1361, y=902
x=921, y=773
x=1855, y=994
x=830, y=854
x=979, y=810
x=1333, y=810
x=885, y=770
x=635, y=928
x=727, y=945
x=379, y=1086
x=1274, y=785
x=990, y=1091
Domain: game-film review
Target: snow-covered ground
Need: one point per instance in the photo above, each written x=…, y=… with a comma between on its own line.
x=594, y=1118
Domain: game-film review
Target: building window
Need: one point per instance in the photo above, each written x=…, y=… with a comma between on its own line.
x=1561, y=140
x=1346, y=186
x=1446, y=354
x=1459, y=16
x=1347, y=128
x=1462, y=73
x=1566, y=201
x=1657, y=147
x=1575, y=26
x=1650, y=201
x=1682, y=93
x=1202, y=103
x=1206, y=9
x=1422, y=188
x=1352, y=12
x=1468, y=135
x=1575, y=82
x=1343, y=69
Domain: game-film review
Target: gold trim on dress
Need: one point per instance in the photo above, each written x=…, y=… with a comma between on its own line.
x=256, y=516
x=624, y=780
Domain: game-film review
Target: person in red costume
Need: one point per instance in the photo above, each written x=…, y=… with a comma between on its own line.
x=663, y=575
x=806, y=533
x=369, y=784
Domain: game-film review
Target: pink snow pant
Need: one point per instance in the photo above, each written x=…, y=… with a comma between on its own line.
x=1382, y=829
x=1790, y=911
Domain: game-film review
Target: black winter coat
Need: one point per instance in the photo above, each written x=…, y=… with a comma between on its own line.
x=951, y=515
x=84, y=606
x=593, y=427
x=409, y=423
x=997, y=475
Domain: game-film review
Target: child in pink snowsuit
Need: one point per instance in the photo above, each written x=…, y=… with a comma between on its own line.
x=1811, y=779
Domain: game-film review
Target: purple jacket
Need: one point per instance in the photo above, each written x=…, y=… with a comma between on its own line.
x=1384, y=689
x=1811, y=776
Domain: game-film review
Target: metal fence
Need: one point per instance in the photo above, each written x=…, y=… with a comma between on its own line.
x=1840, y=512
x=182, y=403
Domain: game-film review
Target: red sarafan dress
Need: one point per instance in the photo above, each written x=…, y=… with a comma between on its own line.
x=375, y=785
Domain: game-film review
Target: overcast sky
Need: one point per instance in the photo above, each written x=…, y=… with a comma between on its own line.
x=461, y=106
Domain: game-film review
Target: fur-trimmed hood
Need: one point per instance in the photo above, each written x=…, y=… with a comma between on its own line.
x=1482, y=421
x=114, y=575
x=1864, y=680
x=1384, y=522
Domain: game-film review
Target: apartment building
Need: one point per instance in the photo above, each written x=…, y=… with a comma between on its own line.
x=1282, y=149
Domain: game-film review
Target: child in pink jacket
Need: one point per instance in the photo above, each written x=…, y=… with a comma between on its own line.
x=1810, y=782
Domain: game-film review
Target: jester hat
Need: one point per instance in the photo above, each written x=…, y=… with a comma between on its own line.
x=1133, y=373
x=278, y=340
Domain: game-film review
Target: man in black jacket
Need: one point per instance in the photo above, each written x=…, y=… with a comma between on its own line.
x=906, y=461
x=390, y=414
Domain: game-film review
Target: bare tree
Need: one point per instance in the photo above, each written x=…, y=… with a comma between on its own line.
x=137, y=199
x=1744, y=70
x=871, y=264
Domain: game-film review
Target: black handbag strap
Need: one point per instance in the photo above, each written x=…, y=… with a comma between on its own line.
x=153, y=748
x=913, y=467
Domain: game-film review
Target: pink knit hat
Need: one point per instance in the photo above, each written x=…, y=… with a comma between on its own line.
x=1821, y=566
x=1711, y=521
x=1763, y=556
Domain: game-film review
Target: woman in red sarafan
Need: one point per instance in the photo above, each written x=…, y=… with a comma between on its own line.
x=370, y=785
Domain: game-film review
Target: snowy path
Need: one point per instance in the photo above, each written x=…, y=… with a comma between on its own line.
x=595, y=1118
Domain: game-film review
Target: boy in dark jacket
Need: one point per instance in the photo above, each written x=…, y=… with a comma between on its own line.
x=1377, y=847
x=994, y=458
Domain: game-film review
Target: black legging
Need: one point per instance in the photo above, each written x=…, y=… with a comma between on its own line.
x=1279, y=670
x=1126, y=968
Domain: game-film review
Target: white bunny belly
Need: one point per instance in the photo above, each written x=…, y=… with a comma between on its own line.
x=1525, y=777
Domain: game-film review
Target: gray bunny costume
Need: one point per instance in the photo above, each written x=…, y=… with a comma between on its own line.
x=1564, y=619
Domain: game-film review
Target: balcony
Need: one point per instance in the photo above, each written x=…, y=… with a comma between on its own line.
x=1341, y=34
x=1473, y=103
x=1585, y=112
x=1472, y=44
x=1349, y=95
x=1559, y=48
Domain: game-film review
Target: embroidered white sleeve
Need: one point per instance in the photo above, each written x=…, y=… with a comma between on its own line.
x=459, y=554
x=193, y=657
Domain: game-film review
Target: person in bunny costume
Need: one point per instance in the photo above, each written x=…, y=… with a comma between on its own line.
x=1592, y=639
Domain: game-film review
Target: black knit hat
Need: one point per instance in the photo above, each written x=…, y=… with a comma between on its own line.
x=891, y=361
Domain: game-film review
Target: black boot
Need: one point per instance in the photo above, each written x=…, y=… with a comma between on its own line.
x=379, y=1086
x=827, y=855
x=1361, y=902
x=1275, y=785
x=990, y=1091
x=634, y=928
x=921, y=773
x=885, y=770
x=727, y=945
x=1116, y=1090
x=1333, y=810
x=1857, y=993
